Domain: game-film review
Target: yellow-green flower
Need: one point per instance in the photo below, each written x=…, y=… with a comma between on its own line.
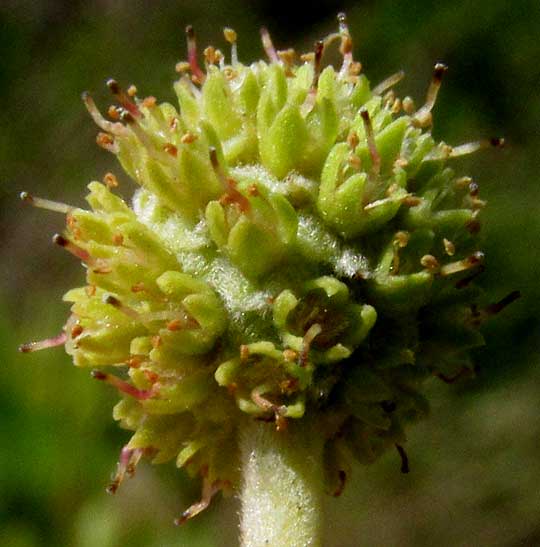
x=298, y=249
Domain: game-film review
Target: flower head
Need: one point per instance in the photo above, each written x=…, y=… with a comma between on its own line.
x=298, y=248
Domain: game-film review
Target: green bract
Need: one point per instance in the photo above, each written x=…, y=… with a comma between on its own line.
x=297, y=249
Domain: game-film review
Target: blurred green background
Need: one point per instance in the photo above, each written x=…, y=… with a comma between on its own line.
x=475, y=477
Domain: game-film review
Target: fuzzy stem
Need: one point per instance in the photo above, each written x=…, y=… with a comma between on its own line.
x=282, y=485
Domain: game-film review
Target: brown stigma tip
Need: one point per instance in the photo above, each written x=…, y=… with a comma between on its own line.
x=99, y=375
x=60, y=240
x=439, y=70
x=112, y=488
x=476, y=258
x=365, y=114
x=125, y=116
x=190, y=32
x=113, y=86
x=26, y=197
x=186, y=515
x=497, y=142
x=113, y=301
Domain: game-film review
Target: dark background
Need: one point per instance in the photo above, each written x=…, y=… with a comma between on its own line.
x=475, y=478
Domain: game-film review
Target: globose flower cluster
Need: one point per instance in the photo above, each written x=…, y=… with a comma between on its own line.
x=298, y=248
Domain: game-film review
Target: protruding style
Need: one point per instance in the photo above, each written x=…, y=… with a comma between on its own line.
x=268, y=45
x=423, y=117
x=40, y=203
x=198, y=75
x=53, y=342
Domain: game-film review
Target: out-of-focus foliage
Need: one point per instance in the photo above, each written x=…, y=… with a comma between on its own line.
x=474, y=463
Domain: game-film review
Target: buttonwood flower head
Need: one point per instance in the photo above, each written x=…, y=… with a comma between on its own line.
x=299, y=248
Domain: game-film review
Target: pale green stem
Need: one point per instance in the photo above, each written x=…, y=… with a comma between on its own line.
x=282, y=486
